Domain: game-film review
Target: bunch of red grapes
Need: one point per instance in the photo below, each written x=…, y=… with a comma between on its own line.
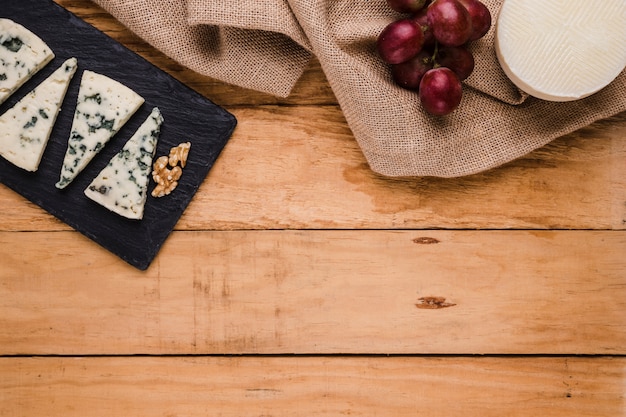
x=427, y=48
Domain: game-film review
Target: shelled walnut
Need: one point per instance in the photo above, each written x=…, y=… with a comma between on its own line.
x=179, y=154
x=166, y=172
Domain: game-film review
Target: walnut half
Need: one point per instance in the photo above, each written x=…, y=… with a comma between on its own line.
x=166, y=172
x=179, y=154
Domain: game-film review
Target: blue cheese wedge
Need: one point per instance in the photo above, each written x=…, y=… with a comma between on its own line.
x=22, y=55
x=103, y=106
x=25, y=128
x=122, y=186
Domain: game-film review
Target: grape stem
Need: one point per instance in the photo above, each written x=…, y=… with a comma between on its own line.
x=433, y=58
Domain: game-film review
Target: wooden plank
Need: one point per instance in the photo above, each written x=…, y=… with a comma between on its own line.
x=272, y=292
x=301, y=174
x=283, y=169
x=313, y=386
x=19, y=214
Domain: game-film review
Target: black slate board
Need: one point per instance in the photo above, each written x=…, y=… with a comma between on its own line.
x=188, y=117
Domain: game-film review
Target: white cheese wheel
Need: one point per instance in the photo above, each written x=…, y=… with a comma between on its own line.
x=561, y=50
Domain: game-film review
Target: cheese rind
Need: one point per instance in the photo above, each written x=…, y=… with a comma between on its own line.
x=22, y=55
x=122, y=186
x=103, y=106
x=25, y=128
x=561, y=50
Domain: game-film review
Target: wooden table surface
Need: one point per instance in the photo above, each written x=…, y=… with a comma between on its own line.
x=300, y=283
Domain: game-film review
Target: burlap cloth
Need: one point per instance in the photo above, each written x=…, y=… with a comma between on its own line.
x=266, y=44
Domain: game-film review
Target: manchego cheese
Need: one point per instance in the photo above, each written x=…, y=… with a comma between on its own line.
x=561, y=50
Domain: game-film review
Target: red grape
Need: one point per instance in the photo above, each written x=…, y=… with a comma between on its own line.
x=440, y=91
x=451, y=22
x=400, y=41
x=426, y=50
x=481, y=18
x=406, y=6
x=458, y=59
x=421, y=18
x=408, y=74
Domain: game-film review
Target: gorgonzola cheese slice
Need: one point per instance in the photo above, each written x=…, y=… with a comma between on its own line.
x=103, y=106
x=22, y=54
x=25, y=128
x=122, y=186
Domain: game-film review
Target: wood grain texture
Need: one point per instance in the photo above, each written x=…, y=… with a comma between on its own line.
x=296, y=255
x=357, y=292
x=300, y=173
x=313, y=386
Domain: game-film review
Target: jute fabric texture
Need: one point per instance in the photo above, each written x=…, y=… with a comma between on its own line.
x=266, y=45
